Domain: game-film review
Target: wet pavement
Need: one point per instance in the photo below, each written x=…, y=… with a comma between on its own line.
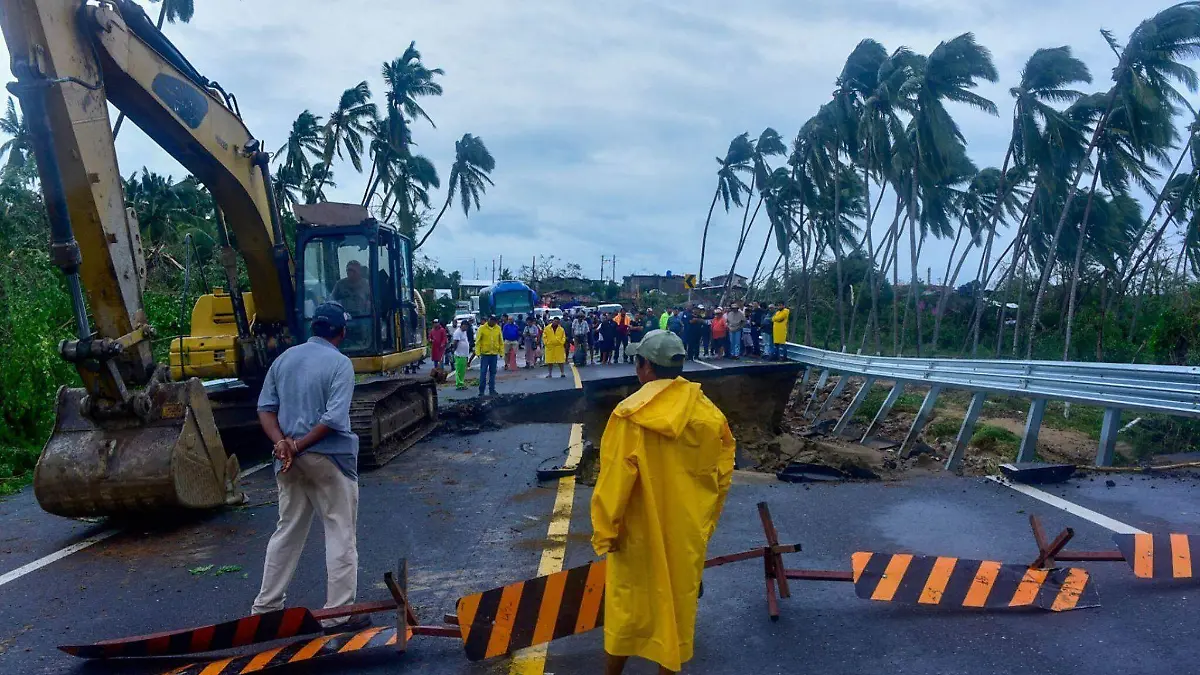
x=468, y=514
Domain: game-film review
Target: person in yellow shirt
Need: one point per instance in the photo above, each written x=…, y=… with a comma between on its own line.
x=666, y=463
x=554, y=340
x=779, y=330
x=489, y=345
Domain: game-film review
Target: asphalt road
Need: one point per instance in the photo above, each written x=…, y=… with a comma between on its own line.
x=468, y=514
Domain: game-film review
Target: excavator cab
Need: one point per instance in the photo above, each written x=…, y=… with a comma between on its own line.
x=345, y=256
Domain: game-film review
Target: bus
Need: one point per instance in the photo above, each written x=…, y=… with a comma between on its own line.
x=507, y=297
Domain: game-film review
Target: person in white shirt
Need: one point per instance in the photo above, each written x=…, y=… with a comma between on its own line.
x=462, y=353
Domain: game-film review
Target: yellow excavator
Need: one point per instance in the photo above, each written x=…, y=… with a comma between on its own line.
x=140, y=438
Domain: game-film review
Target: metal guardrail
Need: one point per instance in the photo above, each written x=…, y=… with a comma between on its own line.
x=1171, y=390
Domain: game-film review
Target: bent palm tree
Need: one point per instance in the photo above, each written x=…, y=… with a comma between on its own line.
x=729, y=185
x=1146, y=68
x=303, y=140
x=469, y=177
x=948, y=74
x=346, y=126
x=1047, y=77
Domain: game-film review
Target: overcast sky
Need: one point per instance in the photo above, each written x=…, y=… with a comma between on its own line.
x=604, y=118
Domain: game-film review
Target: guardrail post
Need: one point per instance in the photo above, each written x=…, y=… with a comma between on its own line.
x=804, y=380
x=965, y=432
x=854, y=405
x=838, y=388
x=1108, y=436
x=1033, y=424
x=821, y=380
x=884, y=409
x=923, y=415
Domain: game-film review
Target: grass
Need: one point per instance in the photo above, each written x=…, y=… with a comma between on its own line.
x=991, y=438
x=907, y=402
x=943, y=428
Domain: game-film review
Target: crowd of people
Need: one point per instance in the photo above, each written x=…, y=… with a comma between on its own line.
x=604, y=338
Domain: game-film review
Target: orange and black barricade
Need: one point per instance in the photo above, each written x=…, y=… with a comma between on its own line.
x=958, y=582
x=1158, y=556
x=533, y=612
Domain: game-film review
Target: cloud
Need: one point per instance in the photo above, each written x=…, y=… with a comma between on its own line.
x=604, y=118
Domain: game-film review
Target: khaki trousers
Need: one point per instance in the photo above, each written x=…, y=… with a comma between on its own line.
x=314, y=485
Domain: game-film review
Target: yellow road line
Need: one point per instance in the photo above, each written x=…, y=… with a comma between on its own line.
x=575, y=372
x=532, y=661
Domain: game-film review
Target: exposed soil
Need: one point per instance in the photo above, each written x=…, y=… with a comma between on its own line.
x=809, y=440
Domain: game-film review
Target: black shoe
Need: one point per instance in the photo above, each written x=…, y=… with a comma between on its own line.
x=352, y=625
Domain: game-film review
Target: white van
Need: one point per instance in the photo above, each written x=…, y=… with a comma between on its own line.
x=612, y=308
x=547, y=314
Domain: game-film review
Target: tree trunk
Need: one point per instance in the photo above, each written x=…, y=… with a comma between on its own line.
x=874, y=314
x=915, y=281
x=741, y=244
x=704, y=237
x=836, y=242
x=1062, y=221
x=449, y=196
x=947, y=283
x=1002, y=192
x=770, y=231
x=896, y=278
x=941, y=308
x=1087, y=210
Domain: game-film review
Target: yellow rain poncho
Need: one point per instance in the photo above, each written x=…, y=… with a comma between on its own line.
x=555, y=341
x=779, y=326
x=666, y=461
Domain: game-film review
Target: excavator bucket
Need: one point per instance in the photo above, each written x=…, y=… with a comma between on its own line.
x=167, y=458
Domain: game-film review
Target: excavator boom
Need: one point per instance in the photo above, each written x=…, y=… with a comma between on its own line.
x=130, y=440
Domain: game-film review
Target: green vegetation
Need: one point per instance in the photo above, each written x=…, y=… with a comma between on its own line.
x=943, y=428
x=1093, y=275
x=991, y=438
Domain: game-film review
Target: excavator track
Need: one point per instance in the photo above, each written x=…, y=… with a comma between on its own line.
x=390, y=414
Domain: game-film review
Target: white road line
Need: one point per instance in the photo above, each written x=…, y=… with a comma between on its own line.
x=706, y=363
x=94, y=539
x=56, y=556
x=254, y=469
x=1070, y=507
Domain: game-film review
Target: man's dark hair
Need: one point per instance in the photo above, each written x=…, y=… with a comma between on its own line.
x=662, y=372
x=323, y=330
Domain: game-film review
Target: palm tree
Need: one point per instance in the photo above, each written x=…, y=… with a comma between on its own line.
x=175, y=11
x=346, y=126
x=769, y=144
x=313, y=188
x=948, y=74
x=1132, y=138
x=407, y=79
x=1047, y=77
x=469, y=177
x=729, y=185
x=1146, y=68
x=303, y=140
x=408, y=191
x=19, y=146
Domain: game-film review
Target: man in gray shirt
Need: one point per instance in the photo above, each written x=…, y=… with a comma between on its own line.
x=736, y=320
x=304, y=408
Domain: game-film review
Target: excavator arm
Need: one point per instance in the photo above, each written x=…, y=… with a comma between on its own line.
x=132, y=441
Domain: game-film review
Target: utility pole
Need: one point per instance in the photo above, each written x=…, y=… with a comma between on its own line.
x=501, y=268
x=614, y=268
x=493, y=270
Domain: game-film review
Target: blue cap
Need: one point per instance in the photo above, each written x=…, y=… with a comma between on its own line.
x=331, y=314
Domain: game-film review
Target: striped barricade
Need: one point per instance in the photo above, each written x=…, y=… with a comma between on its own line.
x=958, y=582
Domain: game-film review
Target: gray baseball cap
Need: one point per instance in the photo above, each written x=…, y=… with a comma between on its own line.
x=661, y=347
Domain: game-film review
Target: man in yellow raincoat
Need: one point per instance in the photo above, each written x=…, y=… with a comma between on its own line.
x=779, y=330
x=554, y=339
x=666, y=462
